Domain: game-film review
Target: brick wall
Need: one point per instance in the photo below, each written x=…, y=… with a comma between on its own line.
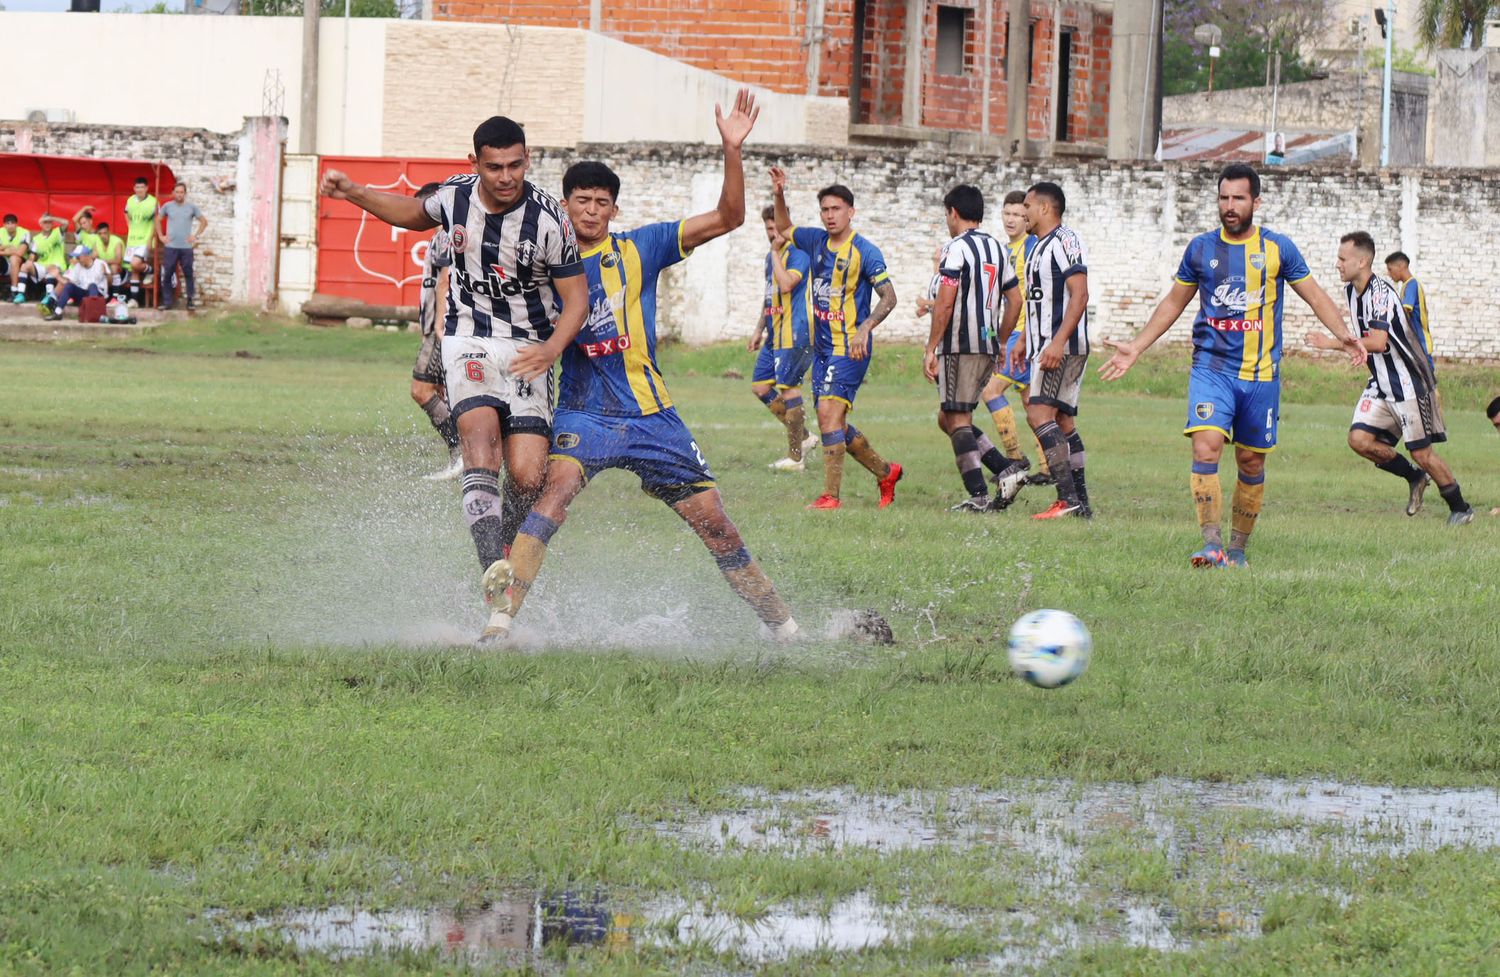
x=1135, y=219
x=196, y=156
x=760, y=42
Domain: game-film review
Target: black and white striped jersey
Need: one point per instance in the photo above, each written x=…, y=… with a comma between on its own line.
x=503, y=264
x=439, y=256
x=978, y=267
x=1058, y=256
x=1402, y=372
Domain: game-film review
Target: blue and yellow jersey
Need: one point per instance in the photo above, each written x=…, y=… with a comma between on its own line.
x=611, y=367
x=1018, y=252
x=842, y=281
x=788, y=310
x=1241, y=292
x=1414, y=300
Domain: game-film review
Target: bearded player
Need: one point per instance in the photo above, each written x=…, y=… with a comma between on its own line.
x=614, y=410
x=1240, y=273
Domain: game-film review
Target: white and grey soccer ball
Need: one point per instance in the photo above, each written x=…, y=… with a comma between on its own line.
x=1049, y=648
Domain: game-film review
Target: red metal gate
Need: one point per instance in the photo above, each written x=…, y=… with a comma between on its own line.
x=362, y=257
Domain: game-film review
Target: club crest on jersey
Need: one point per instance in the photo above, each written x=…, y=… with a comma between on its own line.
x=1213, y=262
x=609, y=259
x=1258, y=261
x=458, y=238
x=841, y=265
x=525, y=253
x=568, y=440
x=1203, y=410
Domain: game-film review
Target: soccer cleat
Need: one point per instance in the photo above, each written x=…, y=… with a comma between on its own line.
x=825, y=501
x=17, y=298
x=496, y=585
x=1008, y=482
x=1058, y=509
x=1462, y=517
x=888, y=485
x=496, y=632
x=450, y=471
x=1236, y=558
x=1040, y=478
x=782, y=634
x=1211, y=556
x=810, y=442
x=976, y=503
x=1085, y=512
x=1414, y=498
x=787, y=465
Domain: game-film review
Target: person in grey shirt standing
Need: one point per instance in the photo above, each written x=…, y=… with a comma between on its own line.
x=175, y=227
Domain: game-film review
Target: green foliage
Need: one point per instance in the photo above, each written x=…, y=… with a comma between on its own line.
x=1453, y=23
x=1241, y=65
x=1406, y=59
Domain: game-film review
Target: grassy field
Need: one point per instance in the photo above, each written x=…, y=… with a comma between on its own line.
x=233, y=679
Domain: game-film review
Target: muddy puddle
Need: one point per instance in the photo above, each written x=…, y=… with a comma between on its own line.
x=1167, y=865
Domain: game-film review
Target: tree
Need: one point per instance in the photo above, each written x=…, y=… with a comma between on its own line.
x=1254, y=31
x=1453, y=23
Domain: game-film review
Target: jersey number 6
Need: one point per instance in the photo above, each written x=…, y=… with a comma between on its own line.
x=474, y=370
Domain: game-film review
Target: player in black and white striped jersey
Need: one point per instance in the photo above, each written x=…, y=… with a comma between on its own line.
x=517, y=298
x=427, y=381
x=1057, y=344
x=1400, y=402
x=974, y=272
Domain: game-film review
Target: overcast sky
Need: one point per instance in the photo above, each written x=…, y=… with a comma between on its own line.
x=64, y=4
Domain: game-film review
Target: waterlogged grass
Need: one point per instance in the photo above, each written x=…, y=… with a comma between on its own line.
x=223, y=602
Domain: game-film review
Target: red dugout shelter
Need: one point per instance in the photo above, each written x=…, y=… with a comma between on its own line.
x=31, y=185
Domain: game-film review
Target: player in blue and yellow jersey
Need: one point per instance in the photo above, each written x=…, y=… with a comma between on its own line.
x=1019, y=244
x=613, y=408
x=1240, y=274
x=784, y=342
x=1413, y=300
x=847, y=271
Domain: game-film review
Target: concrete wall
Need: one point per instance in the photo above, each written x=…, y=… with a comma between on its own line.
x=1467, y=117
x=1135, y=220
x=233, y=178
x=566, y=85
x=1338, y=103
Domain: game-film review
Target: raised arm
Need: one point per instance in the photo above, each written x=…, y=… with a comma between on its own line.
x=778, y=201
x=394, y=208
x=1312, y=293
x=1167, y=312
x=730, y=213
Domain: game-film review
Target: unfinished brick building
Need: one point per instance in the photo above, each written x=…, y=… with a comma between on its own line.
x=923, y=68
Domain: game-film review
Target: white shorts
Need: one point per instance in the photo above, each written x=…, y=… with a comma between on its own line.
x=1418, y=421
x=476, y=371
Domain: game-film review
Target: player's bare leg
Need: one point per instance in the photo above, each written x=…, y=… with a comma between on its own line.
x=1249, y=492
x=1387, y=459
x=704, y=512
x=525, y=474
x=508, y=581
x=1208, y=497
x=1046, y=422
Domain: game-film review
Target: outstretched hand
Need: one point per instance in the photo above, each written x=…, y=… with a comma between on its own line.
x=778, y=180
x=1120, y=363
x=735, y=126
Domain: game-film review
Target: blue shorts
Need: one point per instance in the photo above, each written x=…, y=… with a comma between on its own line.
x=838, y=377
x=765, y=365
x=1022, y=377
x=1247, y=411
x=792, y=364
x=658, y=448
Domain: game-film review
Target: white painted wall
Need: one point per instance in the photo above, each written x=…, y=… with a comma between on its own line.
x=210, y=73
x=197, y=72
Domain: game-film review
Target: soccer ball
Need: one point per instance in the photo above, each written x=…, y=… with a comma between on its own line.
x=1049, y=648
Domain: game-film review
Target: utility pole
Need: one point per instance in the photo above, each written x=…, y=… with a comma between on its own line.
x=307, y=137
x=1017, y=66
x=1389, y=29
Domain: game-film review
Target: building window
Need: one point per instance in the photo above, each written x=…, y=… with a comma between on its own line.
x=952, y=35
